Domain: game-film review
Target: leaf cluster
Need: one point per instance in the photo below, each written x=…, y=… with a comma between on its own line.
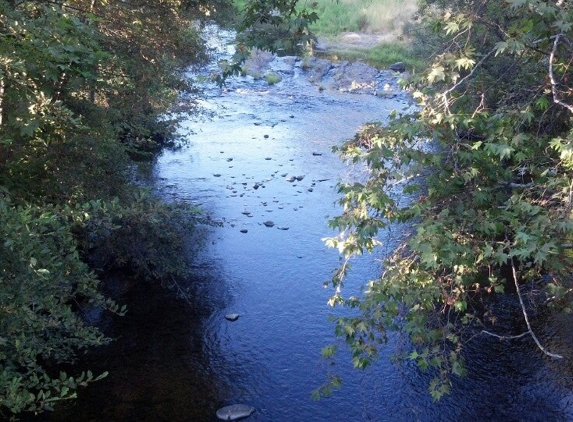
x=278, y=26
x=484, y=166
x=47, y=292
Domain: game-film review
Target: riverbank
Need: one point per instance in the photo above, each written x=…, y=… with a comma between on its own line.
x=328, y=74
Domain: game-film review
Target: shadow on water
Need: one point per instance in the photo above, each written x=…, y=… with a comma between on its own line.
x=157, y=366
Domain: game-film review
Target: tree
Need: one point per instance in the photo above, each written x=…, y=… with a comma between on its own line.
x=485, y=164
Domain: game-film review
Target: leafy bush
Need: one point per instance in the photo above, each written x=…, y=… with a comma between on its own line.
x=147, y=239
x=44, y=288
x=48, y=291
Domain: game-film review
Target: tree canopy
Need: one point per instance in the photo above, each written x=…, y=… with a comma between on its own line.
x=480, y=175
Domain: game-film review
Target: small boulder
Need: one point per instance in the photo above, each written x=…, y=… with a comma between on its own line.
x=398, y=67
x=232, y=317
x=269, y=223
x=234, y=412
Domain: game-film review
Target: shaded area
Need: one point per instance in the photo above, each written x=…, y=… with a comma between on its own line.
x=158, y=371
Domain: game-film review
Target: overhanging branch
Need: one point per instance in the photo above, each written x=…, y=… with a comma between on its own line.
x=526, y=317
x=555, y=92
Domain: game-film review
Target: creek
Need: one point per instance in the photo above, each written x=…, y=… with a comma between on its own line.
x=179, y=361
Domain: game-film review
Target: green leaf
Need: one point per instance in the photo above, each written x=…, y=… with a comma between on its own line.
x=436, y=74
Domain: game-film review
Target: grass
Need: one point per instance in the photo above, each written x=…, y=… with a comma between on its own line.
x=380, y=56
x=371, y=16
x=387, y=18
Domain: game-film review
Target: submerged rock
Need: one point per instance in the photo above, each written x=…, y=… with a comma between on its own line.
x=354, y=77
x=269, y=223
x=234, y=412
x=232, y=317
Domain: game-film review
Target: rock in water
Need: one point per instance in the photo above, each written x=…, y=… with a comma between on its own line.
x=234, y=412
x=269, y=223
x=232, y=317
x=398, y=67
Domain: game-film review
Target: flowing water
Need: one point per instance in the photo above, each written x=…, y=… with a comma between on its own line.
x=174, y=361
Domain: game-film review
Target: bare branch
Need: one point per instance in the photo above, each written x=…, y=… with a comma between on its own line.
x=180, y=292
x=556, y=97
x=500, y=337
x=526, y=317
x=2, y=85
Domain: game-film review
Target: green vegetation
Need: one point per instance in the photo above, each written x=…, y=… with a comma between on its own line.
x=486, y=165
x=382, y=16
x=272, y=78
x=389, y=20
x=380, y=56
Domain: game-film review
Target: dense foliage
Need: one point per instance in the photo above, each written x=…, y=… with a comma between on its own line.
x=480, y=175
x=82, y=87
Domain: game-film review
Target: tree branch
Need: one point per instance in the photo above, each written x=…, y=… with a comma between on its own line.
x=469, y=75
x=556, y=98
x=500, y=337
x=526, y=317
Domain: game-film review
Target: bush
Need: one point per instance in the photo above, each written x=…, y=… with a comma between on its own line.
x=44, y=288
